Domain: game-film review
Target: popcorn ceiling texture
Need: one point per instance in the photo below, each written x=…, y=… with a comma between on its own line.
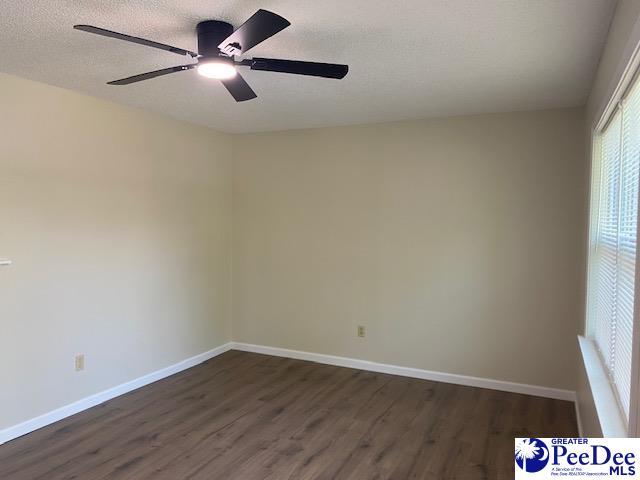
x=409, y=59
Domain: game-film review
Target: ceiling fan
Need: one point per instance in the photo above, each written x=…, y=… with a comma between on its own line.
x=218, y=44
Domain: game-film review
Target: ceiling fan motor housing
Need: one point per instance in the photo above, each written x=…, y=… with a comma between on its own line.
x=211, y=34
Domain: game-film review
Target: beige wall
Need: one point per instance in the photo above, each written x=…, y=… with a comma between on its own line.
x=457, y=242
x=624, y=34
x=118, y=223
x=615, y=56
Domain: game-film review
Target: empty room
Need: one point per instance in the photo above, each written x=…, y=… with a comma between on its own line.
x=308, y=240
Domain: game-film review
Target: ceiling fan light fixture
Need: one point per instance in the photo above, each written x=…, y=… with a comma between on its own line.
x=217, y=69
x=218, y=45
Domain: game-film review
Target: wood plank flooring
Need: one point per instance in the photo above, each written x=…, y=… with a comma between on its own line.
x=255, y=417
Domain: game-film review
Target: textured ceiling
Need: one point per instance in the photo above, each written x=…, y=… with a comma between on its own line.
x=408, y=58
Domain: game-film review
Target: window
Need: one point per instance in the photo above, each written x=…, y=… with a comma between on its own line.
x=613, y=242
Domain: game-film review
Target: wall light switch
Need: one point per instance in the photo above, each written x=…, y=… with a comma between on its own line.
x=80, y=362
x=361, y=331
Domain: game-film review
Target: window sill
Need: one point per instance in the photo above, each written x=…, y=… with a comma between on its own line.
x=611, y=420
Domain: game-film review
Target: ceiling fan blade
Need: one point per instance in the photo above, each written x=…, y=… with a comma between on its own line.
x=239, y=88
x=138, y=40
x=148, y=75
x=262, y=25
x=314, y=69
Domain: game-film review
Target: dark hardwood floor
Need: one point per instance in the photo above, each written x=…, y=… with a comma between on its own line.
x=248, y=416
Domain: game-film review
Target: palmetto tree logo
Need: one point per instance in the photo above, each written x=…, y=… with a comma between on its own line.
x=532, y=455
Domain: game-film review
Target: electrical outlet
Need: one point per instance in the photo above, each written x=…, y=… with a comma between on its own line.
x=79, y=362
x=361, y=331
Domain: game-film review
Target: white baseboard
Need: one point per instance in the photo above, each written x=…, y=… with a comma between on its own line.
x=556, y=393
x=101, y=397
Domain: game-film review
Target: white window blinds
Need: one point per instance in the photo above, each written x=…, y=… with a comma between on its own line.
x=612, y=255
